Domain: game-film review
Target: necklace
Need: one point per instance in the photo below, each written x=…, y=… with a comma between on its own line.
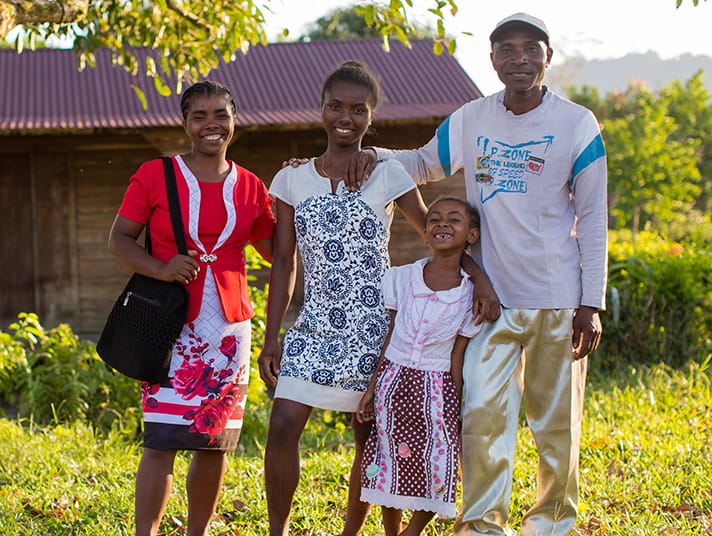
x=320, y=169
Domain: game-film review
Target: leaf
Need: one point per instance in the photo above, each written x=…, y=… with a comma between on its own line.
x=237, y=504
x=401, y=35
x=161, y=88
x=369, y=15
x=141, y=97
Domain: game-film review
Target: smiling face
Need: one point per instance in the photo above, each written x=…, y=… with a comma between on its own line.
x=449, y=226
x=520, y=56
x=346, y=113
x=209, y=123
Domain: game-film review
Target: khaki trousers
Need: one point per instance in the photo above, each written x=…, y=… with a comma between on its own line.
x=525, y=352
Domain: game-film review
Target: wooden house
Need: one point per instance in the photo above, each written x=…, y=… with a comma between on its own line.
x=70, y=140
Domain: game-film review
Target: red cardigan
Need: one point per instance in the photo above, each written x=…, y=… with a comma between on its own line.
x=146, y=202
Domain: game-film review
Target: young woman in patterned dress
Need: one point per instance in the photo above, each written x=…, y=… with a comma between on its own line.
x=331, y=351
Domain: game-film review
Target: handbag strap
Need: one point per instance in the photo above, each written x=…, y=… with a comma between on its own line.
x=174, y=208
x=173, y=205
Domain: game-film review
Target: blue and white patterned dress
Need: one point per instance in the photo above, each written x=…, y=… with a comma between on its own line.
x=331, y=351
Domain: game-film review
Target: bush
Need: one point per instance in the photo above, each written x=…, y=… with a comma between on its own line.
x=658, y=304
x=52, y=377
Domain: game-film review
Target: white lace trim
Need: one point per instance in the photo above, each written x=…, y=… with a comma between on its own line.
x=441, y=508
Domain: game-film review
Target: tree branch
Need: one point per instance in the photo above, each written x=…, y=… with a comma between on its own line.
x=190, y=17
x=13, y=12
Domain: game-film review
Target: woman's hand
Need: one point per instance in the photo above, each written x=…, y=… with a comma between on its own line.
x=294, y=162
x=123, y=244
x=181, y=268
x=269, y=362
x=365, y=412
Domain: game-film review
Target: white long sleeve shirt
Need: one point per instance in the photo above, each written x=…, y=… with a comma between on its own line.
x=539, y=182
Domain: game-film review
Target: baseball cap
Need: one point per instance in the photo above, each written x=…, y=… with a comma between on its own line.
x=520, y=18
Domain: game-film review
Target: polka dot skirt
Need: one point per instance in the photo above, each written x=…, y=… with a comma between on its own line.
x=411, y=456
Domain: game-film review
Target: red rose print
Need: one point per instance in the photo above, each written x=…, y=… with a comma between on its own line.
x=228, y=346
x=193, y=379
x=148, y=389
x=210, y=418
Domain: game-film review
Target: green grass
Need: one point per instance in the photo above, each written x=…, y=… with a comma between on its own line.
x=646, y=469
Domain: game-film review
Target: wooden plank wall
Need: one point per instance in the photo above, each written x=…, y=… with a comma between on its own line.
x=17, y=291
x=55, y=236
x=101, y=177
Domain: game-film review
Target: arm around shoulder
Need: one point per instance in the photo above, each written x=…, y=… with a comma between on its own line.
x=485, y=302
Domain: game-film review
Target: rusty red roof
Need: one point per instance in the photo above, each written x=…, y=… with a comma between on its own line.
x=280, y=83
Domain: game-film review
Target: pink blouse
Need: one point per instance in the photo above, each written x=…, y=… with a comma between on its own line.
x=428, y=321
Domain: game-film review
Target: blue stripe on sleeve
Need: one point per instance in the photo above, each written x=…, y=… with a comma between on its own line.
x=443, y=134
x=590, y=154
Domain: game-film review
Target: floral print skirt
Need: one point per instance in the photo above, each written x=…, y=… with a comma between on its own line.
x=410, y=461
x=201, y=404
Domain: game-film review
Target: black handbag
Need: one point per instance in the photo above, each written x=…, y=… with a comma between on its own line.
x=148, y=316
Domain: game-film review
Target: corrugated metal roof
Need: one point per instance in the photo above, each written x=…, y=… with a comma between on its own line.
x=277, y=84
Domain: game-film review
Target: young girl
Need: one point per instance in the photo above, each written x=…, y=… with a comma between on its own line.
x=411, y=456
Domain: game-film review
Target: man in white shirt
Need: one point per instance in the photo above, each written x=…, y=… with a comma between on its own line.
x=535, y=168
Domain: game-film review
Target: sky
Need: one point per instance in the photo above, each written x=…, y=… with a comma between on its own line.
x=593, y=29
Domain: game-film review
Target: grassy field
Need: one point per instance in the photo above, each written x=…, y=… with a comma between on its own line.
x=646, y=469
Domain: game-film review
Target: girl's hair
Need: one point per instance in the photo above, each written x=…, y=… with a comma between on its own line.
x=471, y=211
x=357, y=73
x=205, y=89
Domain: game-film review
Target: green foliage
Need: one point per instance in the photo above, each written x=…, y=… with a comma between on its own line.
x=690, y=105
x=657, y=146
x=256, y=415
x=658, y=303
x=53, y=377
x=346, y=23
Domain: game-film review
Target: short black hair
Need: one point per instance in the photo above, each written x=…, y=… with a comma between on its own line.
x=357, y=73
x=203, y=89
x=471, y=211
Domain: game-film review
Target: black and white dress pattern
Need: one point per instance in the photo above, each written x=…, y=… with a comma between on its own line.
x=331, y=352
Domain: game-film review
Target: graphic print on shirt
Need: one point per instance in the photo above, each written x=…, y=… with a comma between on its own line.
x=505, y=168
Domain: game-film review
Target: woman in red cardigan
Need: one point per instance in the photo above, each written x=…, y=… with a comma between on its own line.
x=199, y=407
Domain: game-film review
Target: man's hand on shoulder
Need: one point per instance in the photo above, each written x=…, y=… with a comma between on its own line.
x=359, y=168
